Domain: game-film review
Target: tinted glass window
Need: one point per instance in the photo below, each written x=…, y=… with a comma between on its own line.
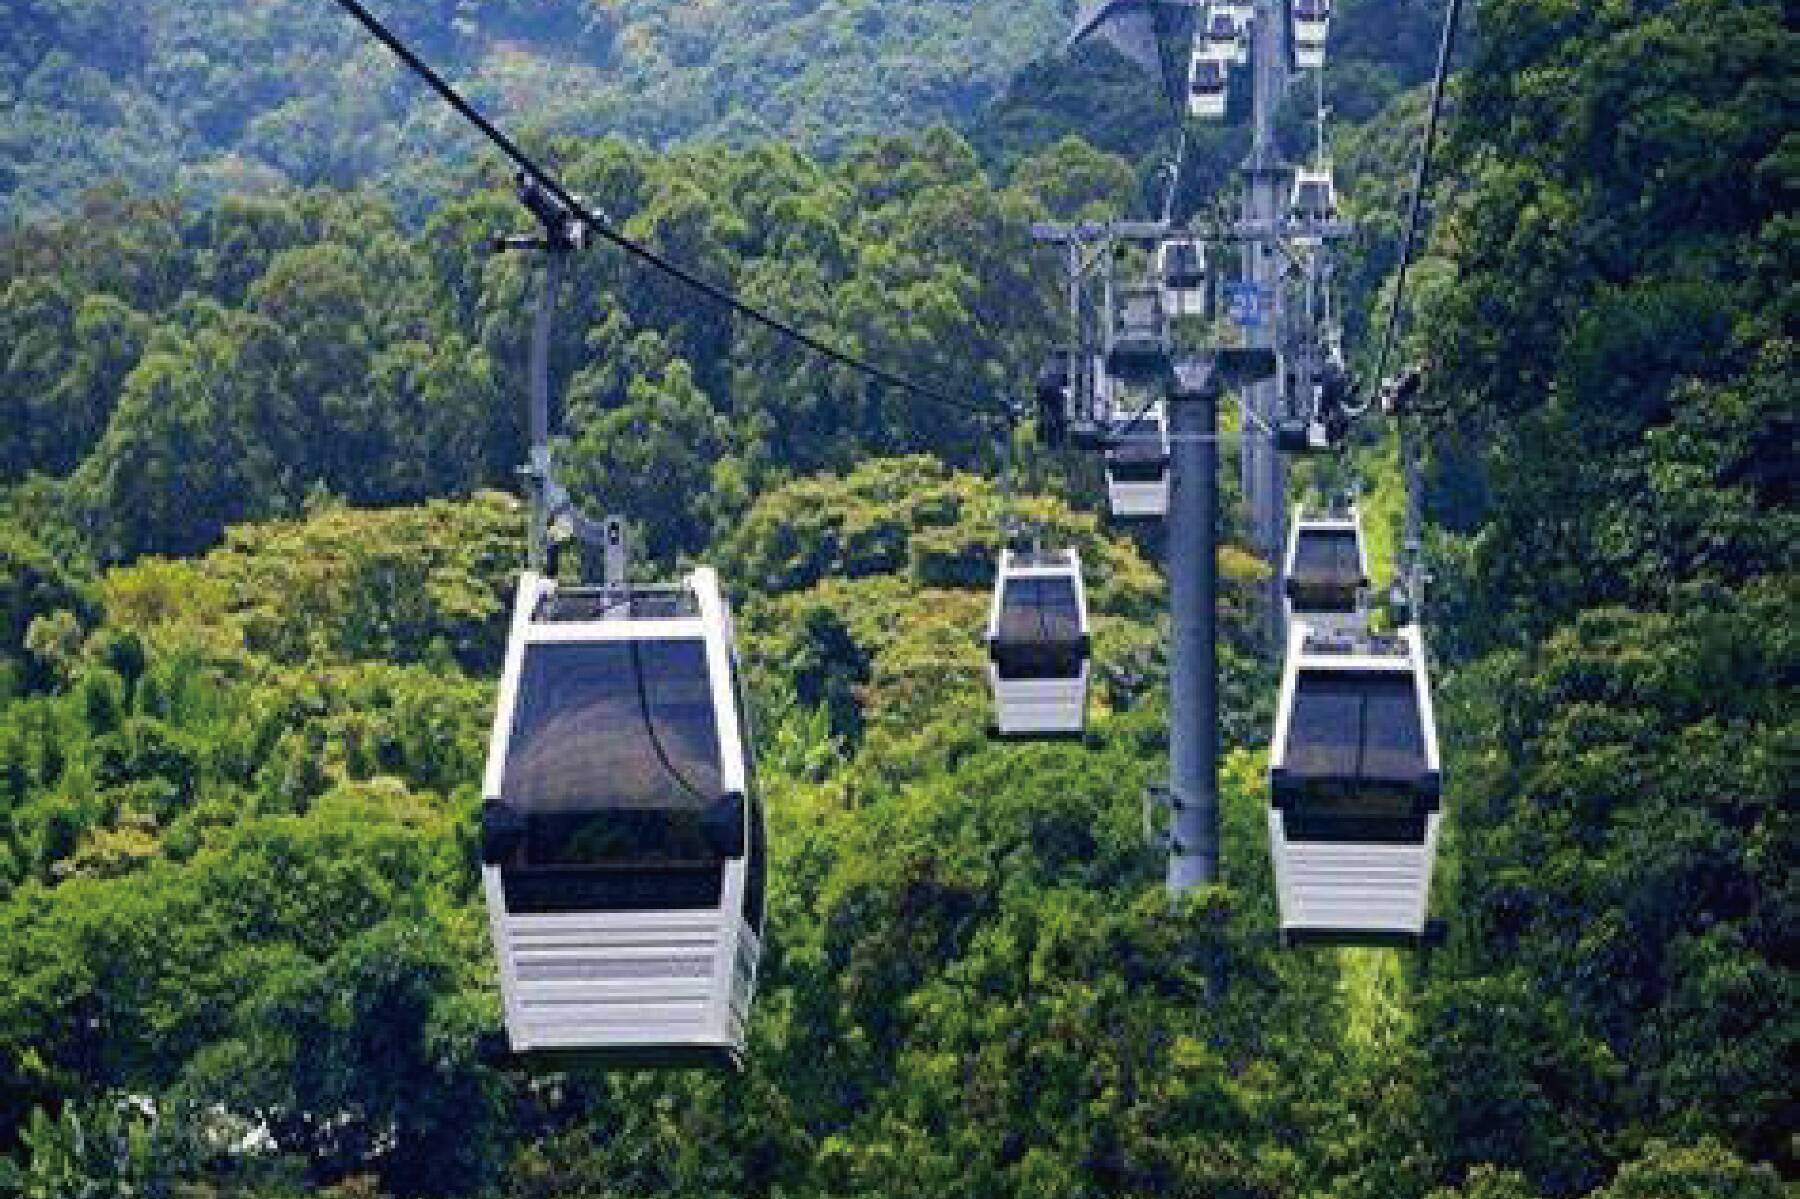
x=614, y=755
x=1327, y=570
x=1359, y=733
x=1040, y=630
x=1313, y=200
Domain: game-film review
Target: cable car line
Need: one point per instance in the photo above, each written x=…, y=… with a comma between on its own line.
x=1421, y=177
x=596, y=221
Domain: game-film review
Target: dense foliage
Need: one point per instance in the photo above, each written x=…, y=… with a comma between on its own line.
x=242, y=951
x=1613, y=362
x=225, y=97
x=183, y=370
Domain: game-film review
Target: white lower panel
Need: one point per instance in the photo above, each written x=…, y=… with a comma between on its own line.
x=1139, y=501
x=1352, y=887
x=1023, y=707
x=620, y=980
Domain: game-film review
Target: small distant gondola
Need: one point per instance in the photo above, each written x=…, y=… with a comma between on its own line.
x=1325, y=576
x=1224, y=39
x=1137, y=466
x=1313, y=203
x=1208, y=82
x=1312, y=26
x=1354, y=790
x=1181, y=264
x=1038, y=645
x=623, y=845
x=1140, y=343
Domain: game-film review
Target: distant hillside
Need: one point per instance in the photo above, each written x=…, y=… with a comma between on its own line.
x=214, y=97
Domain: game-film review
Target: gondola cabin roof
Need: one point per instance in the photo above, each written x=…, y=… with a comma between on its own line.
x=1355, y=720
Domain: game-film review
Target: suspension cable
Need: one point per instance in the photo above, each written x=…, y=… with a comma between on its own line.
x=1421, y=178
x=989, y=410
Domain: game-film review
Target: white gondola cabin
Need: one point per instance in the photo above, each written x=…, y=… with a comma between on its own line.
x=1325, y=577
x=1354, y=790
x=623, y=846
x=1140, y=342
x=1224, y=39
x=1314, y=198
x=1312, y=25
x=1207, y=85
x=1181, y=264
x=1038, y=645
x=1137, y=466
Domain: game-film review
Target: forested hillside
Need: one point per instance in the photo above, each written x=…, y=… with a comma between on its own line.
x=257, y=541
x=214, y=97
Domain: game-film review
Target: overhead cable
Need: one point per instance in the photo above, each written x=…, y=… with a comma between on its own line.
x=713, y=291
x=1421, y=179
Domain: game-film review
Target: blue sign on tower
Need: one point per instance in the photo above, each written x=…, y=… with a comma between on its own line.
x=1247, y=303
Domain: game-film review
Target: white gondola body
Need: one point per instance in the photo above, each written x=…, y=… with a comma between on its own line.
x=649, y=985
x=1368, y=881
x=1035, y=702
x=1225, y=39
x=1182, y=267
x=1208, y=84
x=1340, y=610
x=1312, y=207
x=1309, y=47
x=1137, y=471
x=1312, y=20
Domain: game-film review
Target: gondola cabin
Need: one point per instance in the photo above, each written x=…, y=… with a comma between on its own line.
x=1207, y=87
x=1137, y=466
x=1312, y=23
x=623, y=849
x=1325, y=577
x=1314, y=198
x=1182, y=265
x=1140, y=345
x=1038, y=645
x=1224, y=40
x=1354, y=790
